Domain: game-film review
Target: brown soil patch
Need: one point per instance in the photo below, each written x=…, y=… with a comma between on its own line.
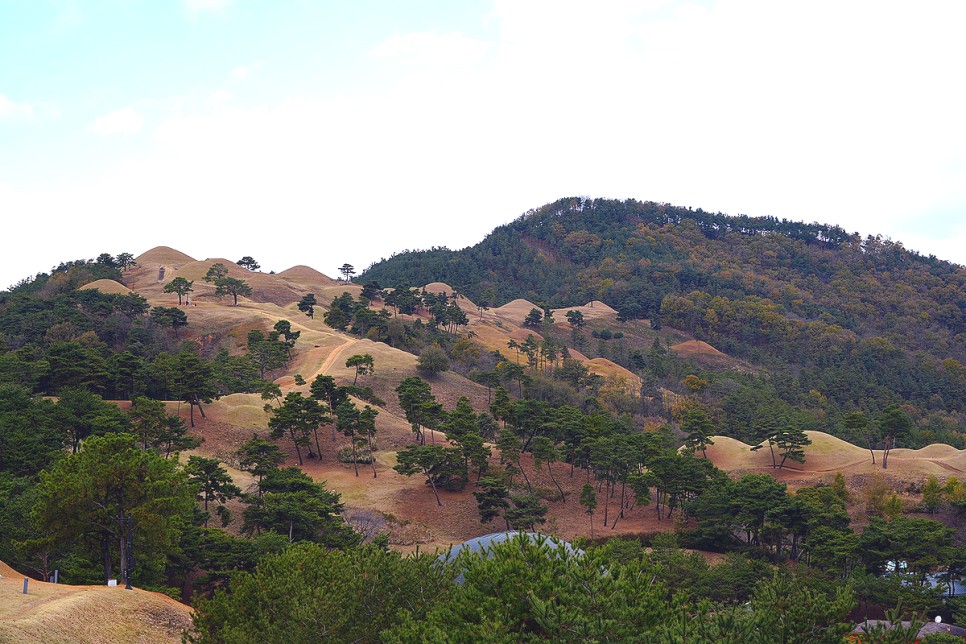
x=106, y=286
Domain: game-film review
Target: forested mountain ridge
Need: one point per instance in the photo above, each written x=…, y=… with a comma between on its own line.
x=632, y=255
x=860, y=322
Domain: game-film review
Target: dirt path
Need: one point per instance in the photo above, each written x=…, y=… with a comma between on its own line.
x=945, y=466
x=330, y=359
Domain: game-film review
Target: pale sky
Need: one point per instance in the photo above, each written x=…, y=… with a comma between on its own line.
x=319, y=133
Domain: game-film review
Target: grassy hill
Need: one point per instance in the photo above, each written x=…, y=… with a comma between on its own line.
x=60, y=613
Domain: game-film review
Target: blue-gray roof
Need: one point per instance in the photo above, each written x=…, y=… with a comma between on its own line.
x=486, y=542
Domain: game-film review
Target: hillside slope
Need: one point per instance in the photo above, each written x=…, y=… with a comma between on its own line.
x=862, y=323
x=62, y=614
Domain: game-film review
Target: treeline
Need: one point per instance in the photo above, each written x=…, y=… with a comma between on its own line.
x=526, y=589
x=522, y=591
x=632, y=254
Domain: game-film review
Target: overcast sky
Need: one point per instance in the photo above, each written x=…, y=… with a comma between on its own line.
x=319, y=133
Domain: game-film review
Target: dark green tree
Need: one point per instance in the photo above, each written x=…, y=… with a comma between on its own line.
x=527, y=512
x=588, y=500
x=298, y=417
x=791, y=445
x=419, y=404
x=316, y=594
x=294, y=505
x=533, y=319
x=212, y=482
x=576, y=321
x=81, y=414
x=31, y=438
x=91, y=492
x=169, y=316
x=546, y=451
x=215, y=272
x=259, y=456
x=698, y=428
x=181, y=286
x=492, y=499
x=307, y=305
x=860, y=430
x=364, y=364
x=347, y=271
x=249, y=263
x=895, y=426
x=437, y=463
x=195, y=382
x=232, y=286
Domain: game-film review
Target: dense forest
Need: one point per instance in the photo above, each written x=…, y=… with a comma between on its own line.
x=633, y=255
x=838, y=324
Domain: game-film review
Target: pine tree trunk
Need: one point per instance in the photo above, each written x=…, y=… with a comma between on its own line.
x=435, y=492
x=606, y=500
x=552, y=478
x=525, y=477
x=298, y=452
x=372, y=456
x=106, y=557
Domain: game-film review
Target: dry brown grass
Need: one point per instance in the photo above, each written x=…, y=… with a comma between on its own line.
x=106, y=286
x=693, y=348
x=55, y=613
x=305, y=275
x=607, y=368
x=828, y=455
x=515, y=311
x=591, y=310
x=163, y=256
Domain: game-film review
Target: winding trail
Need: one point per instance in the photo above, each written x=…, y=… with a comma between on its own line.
x=330, y=359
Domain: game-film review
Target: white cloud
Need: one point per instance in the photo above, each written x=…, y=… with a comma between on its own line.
x=242, y=72
x=14, y=111
x=124, y=121
x=197, y=7
x=432, y=49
